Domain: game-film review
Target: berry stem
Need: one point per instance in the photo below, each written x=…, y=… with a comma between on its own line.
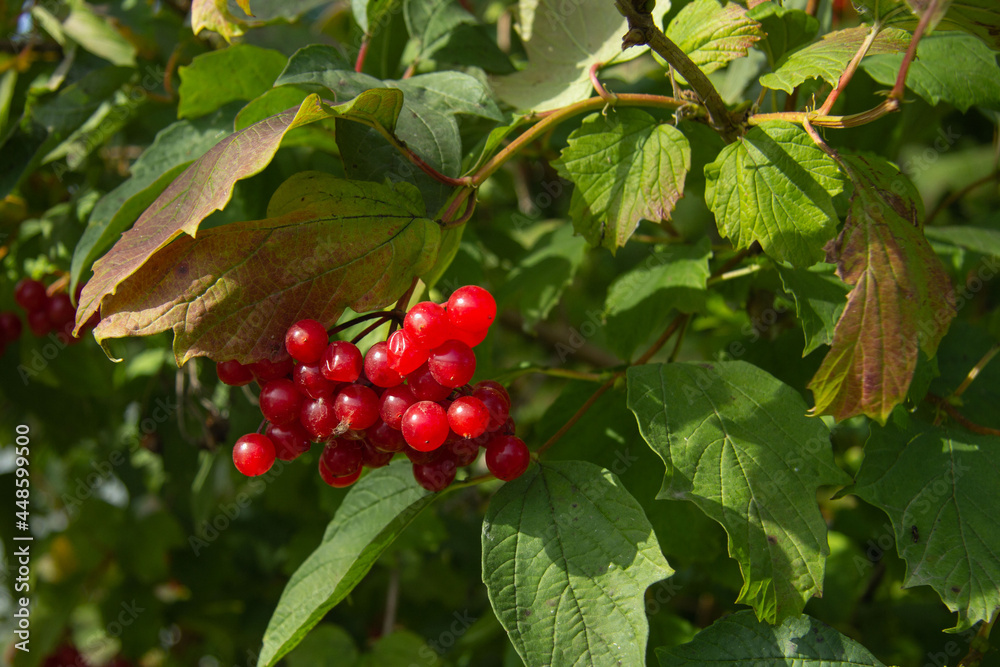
x=375, y=325
x=383, y=314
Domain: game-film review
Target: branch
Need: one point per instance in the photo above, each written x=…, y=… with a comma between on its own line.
x=959, y=417
x=643, y=30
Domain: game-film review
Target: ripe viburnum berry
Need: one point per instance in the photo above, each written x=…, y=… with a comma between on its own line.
x=507, y=457
x=425, y=426
x=471, y=308
x=253, y=454
x=306, y=340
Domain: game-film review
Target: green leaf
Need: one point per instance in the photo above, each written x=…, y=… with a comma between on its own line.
x=173, y=149
x=536, y=284
x=562, y=41
x=828, y=58
x=737, y=443
x=208, y=183
x=820, y=298
x=567, y=557
x=774, y=186
x=328, y=243
x=943, y=482
x=785, y=29
x=240, y=72
x=431, y=22
x=326, y=645
x=932, y=75
x=712, y=35
x=740, y=638
x=371, y=14
x=641, y=302
x=902, y=299
x=400, y=649
x=977, y=239
x=976, y=17
x=627, y=166
x=98, y=35
x=215, y=15
x=374, y=512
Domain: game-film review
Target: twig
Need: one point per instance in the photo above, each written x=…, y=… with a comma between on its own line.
x=362, y=52
x=976, y=370
x=551, y=119
x=955, y=196
x=852, y=66
x=602, y=92
x=577, y=415
x=381, y=314
x=911, y=51
x=662, y=340
x=961, y=419
x=643, y=30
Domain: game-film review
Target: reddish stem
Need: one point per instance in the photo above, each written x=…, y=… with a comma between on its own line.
x=362, y=52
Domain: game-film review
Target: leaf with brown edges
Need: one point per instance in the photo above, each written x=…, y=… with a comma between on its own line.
x=232, y=292
x=207, y=186
x=902, y=299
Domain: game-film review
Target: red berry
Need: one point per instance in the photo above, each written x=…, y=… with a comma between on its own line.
x=10, y=327
x=427, y=323
x=495, y=402
x=290, y=440
x=470, y=338
x=341, y=361
x=318, y=418
x=280, y=401
x=468, y=417
x=253, y=454
x=38, y=322
x=493, y=384
x=60, y=310
x=507, y=457
x=425, y=426
x=267, y=370
x=233, y=373
x=393, y=403
x=310, y=381
x=471, y=308
x=306, y=340
x=30, y=294
x=463, y=450
x=425, y=387
x=342, y=457
x=383, y=437
x=377, y=367
x=357, y=405
x=416, y=456
x=435, y=475
x=337, y=482
x=405, y=354
x=452, y=364
x=374, y=458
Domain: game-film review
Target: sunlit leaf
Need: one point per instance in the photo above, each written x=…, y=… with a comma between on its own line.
x=828, y=58
x=240, y=72
x=207, y=185
x=627, y=166
x=567, y=557
x=901, y=301
x=215, y=15
x=774, y=186
x=562, y=41
x=231, y=293
x=712, y=35
x=737, y=443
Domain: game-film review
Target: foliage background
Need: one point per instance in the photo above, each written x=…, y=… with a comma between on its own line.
x=150, y=545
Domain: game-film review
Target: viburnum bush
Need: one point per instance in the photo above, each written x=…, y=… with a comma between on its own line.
x=619, y=332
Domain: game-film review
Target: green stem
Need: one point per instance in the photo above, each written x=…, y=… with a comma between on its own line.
x=848, y=74
x=550, y=120
x=643, y=30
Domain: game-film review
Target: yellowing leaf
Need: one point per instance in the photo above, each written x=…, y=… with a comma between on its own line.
x=902, y=299
x=232, y=292
x=208, y=184
x=215, y=15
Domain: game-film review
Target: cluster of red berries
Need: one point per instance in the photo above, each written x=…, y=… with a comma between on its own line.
x=45, y=314
x=409, y=394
